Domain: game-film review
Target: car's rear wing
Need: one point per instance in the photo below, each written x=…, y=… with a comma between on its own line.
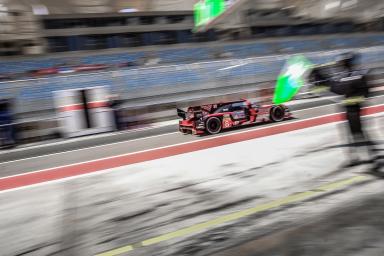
x=181, y=113
x=192, y=112
x=197, y=111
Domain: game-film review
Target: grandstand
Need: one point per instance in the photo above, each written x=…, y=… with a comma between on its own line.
x=189, y=53
x=53, y=26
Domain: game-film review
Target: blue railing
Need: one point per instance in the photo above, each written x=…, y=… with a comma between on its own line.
x=205, y=53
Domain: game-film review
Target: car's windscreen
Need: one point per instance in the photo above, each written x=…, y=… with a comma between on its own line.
x=222, y=109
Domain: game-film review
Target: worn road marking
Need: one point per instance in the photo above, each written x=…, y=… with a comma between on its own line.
x=294, y=198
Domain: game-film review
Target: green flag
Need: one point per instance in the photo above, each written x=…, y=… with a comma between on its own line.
x=291, y=79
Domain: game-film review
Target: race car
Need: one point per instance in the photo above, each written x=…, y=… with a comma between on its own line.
x=213, y=118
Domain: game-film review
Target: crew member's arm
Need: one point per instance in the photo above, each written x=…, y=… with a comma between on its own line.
x=318, y=81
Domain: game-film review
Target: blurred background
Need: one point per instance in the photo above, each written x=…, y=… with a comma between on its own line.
x=93, y=87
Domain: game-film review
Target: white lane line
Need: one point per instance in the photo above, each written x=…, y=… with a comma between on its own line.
x=333, y=104
x=323, y=106
x=87, y=148
x=234, y=66
x=86, y=138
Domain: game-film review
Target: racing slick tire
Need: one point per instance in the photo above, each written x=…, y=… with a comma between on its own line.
x=213, y=125
x=277, y=113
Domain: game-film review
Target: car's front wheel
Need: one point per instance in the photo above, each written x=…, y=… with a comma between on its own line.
x=213, y=125
x=277, y=113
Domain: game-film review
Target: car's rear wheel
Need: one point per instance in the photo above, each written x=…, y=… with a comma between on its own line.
x=277, y=113
x=213, y=125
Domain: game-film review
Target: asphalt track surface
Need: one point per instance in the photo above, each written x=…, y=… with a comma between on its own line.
x=137, y=132
x=236, y=216
x=159, y=141
x=183, y=215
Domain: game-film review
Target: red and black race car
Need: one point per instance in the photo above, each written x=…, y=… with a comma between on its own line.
x=213, y=118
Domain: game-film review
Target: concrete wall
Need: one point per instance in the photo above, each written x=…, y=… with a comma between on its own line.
x=167, y=5
x=20, y=28
x=358, y=10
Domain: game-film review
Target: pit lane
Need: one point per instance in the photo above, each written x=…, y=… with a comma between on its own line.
x=15, y=165
x=89, y=215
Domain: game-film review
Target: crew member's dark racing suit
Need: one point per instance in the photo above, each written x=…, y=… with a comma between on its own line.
x=344, y=79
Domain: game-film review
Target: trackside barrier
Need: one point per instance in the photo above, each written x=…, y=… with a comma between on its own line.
x=40, y=129
x=84, y=111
